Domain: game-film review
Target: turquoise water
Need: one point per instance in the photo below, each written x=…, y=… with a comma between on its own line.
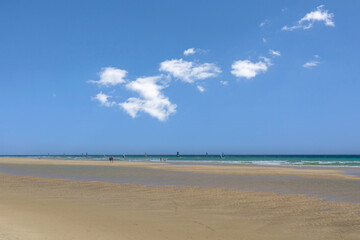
x=275, y=160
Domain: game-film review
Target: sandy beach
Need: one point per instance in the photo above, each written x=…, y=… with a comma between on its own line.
x=59, y=199
x=179, y=120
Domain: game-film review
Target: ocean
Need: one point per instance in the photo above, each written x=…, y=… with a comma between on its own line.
x=274, y=160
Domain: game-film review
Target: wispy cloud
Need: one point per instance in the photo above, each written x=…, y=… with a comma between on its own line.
x=103, y=99
x=224, y=83
x=247, y=69
x=266, y=21
x=188, y=71
x=190, y=51
x=111, y=76
x=311, y=64
x=307, y=22
x=275, y=53
x=151, y=100
x=200, y=88
x=264, y=40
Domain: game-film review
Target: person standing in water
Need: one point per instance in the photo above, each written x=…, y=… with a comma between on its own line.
x=111, y=159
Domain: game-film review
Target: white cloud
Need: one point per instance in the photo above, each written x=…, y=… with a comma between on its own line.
x=311, y=64
x=225, y=83
x=307, y=22
x=151, y=100
x=190, y=51
x=264, y=40
x=111, y=76
x=188, y=71
x=263, y=23
x=275, y=53
x=200, y=88
x=248, y=69
x=103, y=99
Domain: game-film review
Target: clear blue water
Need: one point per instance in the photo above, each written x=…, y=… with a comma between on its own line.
x=275, y=160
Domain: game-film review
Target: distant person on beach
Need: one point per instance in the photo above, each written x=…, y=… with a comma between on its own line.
x=111, y=159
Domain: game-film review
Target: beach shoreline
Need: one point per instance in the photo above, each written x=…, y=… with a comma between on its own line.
x=207, y=168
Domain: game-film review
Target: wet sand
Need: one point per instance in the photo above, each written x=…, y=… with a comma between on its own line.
x=129, y=200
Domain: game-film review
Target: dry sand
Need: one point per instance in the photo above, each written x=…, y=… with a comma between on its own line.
x=48, y=208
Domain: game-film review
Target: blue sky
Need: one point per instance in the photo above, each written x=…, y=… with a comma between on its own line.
x=279, y=77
